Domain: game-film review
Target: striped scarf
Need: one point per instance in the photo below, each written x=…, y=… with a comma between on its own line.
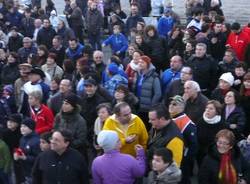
x=227, y=172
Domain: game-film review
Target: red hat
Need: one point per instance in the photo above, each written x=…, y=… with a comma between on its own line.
x=146, y=59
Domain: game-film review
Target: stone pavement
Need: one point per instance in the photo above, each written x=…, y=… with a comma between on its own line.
x=234, y=10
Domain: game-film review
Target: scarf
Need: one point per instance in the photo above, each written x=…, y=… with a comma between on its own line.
x=227, y=172
x=247, y=92
x=214, y=120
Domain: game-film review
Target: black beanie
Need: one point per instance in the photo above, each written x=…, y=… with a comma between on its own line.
x=17, y=118
x=72, y=99
x=29, y=123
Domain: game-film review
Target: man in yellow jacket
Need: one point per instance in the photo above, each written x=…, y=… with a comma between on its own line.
x=164, y=133
x=130, y=128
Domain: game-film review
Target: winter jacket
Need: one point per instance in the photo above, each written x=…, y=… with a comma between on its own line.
x=195, y=108
x=74, y=122
x=131, y=72
x=118, y=42
x=148, y=89
x=50, y=168
x=135, y=126
x=114, y=82
x=14, y=18
x=123, y=170
x=217, y=49
x=15, y=43
x=23, y=53
x=28, y=27
x=132, y=22
x=209, y=170
x=76, y=17
x=217, y=94
x=204, y=72
x=206, y=132
x=44, y=119
x=168, y=76
x=237, y=116
x=45, y=36
x=5, y=158
x=76, y=53
x=238, y=42
x=171, y=175
x=12, y=138
x=10, y=73
x=165, y=25
x=30, y=144
x=225, y=67
x=169, y=137
x=94, y=21
x=55, y=71
x=66, y=33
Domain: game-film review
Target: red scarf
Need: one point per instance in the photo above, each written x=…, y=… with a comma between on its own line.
x=227, y=173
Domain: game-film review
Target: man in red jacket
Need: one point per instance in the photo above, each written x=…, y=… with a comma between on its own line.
x=238, y=41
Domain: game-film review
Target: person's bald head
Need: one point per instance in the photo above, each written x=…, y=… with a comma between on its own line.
x=176, y=62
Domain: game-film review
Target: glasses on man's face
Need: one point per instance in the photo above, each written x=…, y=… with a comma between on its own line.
x=98, y=57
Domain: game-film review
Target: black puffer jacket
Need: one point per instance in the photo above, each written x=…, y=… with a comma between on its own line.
x=10, y=73
x=209, y=170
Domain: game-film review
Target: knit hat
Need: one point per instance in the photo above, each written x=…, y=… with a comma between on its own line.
x=29, y=123
x=72, y=99
x=178, y=99
x=228, y=77
x=146, y=59
x=113, y=68
x=17, y=118
x=107, y=139
x=9, y=88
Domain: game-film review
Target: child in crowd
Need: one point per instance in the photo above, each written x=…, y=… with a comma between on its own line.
x=164, y=169
x=239, y=72
x=45, y=141
x=244, y=146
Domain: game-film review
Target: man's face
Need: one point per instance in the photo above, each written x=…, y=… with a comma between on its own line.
x=200, y=51
x=64, y=86
x=67, y=107
x=175, y=63
x=154, y=120
x=72, y=44
x=24, y=71
x=175, y=108
x=124, y=116
x=185, y=74
x=46, y=23
x=228, y=57
x=158, y=164
x=56, y=43
x=189, y=90
x=90, y=89
x=217, y=28
x=57, y=143
x=26, y=43
x=134, y=10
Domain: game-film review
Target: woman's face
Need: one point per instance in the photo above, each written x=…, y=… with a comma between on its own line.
x=136, y=57
x=33, y=101
x=229, y=98
x=210, y=111
x=40, y=52
x=119, y=95
x=139, y=27
x=223, y=145
x=54, y=86
x=103, y=114
x=151, y=33
x=131, y=50
x=11, y=59
x=224, y=85
x=66, y=107
x=189, y=47
x=247, y=84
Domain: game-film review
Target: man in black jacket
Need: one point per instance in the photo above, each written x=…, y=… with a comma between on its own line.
x=204, y=69
x=61, y=164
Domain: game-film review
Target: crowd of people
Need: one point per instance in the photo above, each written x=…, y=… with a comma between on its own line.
x=172, y=101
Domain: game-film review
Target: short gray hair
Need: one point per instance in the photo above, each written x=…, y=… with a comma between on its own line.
x=37, y=95
x=194, y=85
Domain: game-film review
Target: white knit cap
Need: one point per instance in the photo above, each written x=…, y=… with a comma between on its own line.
x=107, y=140
x=228, y=77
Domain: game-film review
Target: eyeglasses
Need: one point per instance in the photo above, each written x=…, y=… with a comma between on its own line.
x=223, y=143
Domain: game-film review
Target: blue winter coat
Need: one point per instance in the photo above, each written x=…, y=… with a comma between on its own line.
x=118, y=42
x=75, y=54
x=165, y=25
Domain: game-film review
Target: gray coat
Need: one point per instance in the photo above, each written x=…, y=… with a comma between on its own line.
x=76, y=124
x=171, y=175
x=150, y=90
